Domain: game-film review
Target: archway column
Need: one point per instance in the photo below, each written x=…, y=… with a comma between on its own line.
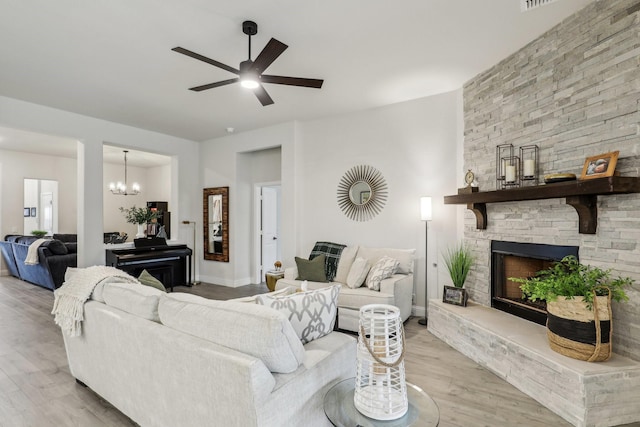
x=90, y=209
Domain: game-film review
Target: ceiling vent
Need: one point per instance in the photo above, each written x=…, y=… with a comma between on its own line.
x=532, y=4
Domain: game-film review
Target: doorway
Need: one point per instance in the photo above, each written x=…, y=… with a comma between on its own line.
x=268, y=213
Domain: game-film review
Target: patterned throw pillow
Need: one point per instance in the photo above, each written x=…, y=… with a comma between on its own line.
x=332, y=252
x=312, y=314
x=383, y=269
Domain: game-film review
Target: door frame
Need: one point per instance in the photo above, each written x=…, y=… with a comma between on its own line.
x=257, y=274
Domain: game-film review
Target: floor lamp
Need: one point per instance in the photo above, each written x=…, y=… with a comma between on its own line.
x=194, y=254
x=425, y=215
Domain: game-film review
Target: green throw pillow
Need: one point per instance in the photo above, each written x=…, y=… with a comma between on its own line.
x=147, y=279
x=312, y=270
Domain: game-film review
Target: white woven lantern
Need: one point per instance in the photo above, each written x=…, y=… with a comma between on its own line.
x=380, y=390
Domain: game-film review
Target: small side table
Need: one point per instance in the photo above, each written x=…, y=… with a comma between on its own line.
x=271, y=277
x=341, y=411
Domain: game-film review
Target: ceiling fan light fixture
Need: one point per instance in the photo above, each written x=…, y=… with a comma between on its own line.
x=248, y=78
x=250, y=82
x=250, y=74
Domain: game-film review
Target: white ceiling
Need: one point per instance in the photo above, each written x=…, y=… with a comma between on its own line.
x=112, y=59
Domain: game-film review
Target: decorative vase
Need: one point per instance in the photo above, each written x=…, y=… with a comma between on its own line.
x=578, y=332
x=140, y=233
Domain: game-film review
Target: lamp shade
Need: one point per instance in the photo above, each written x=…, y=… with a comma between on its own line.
x=425, y=209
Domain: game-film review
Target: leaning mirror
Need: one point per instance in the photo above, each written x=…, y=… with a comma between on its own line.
x=216, y=223
x=362, y=193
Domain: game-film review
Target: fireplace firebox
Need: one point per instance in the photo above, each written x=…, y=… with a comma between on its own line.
x=512, y=259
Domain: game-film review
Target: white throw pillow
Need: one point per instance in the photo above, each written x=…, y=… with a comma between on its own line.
x=358, y=272
x=383, y=269
x=406, y=257
x=312, y=314
x=134, y=298
x=347, y=257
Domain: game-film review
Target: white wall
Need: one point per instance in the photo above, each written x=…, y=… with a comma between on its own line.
x=413, y=144
x=155, y=185
x=114, y=219
x=158, y=184
x=20, y=165
x=224, y=162
x=91, y=134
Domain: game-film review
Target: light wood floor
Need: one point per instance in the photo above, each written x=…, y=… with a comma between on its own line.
x=37, y=389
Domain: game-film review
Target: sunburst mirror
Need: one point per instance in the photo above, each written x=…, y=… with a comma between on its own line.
x=362, y=193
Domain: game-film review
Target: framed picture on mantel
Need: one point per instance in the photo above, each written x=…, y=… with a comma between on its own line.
x=456, y=296
x=600, y=166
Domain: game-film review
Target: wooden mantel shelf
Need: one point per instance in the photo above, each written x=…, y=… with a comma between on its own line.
x=582, y=195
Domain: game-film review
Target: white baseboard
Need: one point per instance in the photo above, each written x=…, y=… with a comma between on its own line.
x=225, y=282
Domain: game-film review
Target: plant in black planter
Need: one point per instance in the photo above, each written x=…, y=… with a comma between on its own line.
x=39, y=233
x=458, y=261
x=578, y=296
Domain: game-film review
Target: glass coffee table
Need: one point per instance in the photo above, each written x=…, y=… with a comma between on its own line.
x=342, y=412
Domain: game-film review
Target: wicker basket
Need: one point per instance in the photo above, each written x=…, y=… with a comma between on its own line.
x=575, y=331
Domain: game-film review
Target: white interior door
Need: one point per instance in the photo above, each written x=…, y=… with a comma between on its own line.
x=46, y=216
x=270, y=226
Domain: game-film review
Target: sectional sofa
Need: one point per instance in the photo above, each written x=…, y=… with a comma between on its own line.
x=54, y=258
x=181, y=360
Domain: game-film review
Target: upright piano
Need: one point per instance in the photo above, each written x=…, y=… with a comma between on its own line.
x=171, y=264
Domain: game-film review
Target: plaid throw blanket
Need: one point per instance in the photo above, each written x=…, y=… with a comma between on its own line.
x=332, y=252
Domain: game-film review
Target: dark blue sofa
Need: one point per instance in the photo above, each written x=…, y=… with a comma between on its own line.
x=54, y=256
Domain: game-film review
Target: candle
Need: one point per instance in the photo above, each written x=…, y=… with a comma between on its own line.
x=511, y=174
x=529, y=168
x=503, y=167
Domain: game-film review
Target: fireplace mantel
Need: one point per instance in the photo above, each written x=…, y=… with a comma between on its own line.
x=581, y=194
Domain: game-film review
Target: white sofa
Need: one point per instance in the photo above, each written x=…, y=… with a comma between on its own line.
x=181, y=360
x=396, y=290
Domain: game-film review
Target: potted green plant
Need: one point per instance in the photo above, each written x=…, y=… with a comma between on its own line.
x=39, y=233
x=140, y=217
x=578, y=298
x=458, y=260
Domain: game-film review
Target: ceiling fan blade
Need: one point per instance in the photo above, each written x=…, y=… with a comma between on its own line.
x=292, y=81
x=271, y=51
x=263, y=96
x=205, y=59
x=216, y=84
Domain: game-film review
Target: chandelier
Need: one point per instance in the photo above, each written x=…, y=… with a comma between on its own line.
x=121, y=188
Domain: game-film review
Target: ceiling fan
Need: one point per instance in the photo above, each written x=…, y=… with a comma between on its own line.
x=250, y=72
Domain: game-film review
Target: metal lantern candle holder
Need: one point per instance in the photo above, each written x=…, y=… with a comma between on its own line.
x=529, y=166
x=504, y=159
x=380, y=389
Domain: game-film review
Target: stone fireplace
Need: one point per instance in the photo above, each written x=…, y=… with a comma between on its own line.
x=573, y=93
x=513, y=259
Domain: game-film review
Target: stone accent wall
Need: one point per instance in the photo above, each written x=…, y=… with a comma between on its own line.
x=575, y=93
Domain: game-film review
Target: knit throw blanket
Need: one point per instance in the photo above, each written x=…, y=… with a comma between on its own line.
x=69, y=299
x=32, y=252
